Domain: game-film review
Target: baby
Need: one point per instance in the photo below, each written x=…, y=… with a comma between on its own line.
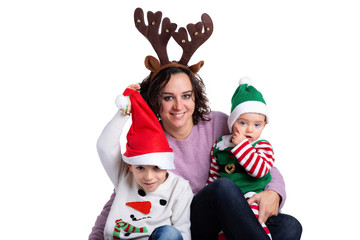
x=243, y=156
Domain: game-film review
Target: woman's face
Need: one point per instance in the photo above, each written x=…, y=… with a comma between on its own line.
x=177, y=106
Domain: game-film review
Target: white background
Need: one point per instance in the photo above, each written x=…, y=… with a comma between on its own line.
x=62, y=63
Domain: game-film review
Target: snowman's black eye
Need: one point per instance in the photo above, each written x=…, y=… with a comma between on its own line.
x=142, y=193
x=162, y=202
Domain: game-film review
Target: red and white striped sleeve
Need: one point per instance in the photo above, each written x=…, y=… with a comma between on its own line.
x=214, y=167
x=258, y=160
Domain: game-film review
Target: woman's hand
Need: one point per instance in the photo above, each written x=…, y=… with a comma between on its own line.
x=135, y=87
x=269, y=202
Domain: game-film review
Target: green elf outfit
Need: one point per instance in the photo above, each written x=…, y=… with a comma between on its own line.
x=247, y=164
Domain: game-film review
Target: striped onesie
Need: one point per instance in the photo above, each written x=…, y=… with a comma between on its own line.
x=247, y=165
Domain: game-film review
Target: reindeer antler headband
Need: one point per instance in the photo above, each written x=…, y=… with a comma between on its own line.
x=159, y=41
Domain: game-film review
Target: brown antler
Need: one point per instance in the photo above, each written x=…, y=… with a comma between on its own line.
x=151, y=31
x=198, y=37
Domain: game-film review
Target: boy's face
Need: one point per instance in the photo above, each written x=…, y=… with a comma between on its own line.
x=250, y=125
x=149, y=177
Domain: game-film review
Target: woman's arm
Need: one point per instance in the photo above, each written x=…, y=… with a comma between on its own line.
x=97, y=232
x=272, y=199
x=277, y=185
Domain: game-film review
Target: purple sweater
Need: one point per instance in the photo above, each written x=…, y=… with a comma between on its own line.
x=192, y=159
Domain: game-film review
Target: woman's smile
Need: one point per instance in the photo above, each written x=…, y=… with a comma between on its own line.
x=178, y=115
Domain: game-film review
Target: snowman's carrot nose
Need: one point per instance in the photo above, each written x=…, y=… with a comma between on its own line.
x=143, y=207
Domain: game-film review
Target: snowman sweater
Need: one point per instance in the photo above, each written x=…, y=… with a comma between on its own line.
x=135, y=213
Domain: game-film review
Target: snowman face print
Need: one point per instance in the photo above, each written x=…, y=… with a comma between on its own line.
x=143, y=207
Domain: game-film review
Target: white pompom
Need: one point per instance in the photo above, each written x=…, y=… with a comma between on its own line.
x=245, y=80
x=122, y=101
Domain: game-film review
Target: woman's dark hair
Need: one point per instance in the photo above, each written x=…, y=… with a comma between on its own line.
x=151, y=91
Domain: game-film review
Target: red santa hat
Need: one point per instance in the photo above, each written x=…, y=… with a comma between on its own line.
x=146, y=140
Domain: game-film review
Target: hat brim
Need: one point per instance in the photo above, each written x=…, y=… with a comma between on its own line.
x=163, y=160
x=247, y=107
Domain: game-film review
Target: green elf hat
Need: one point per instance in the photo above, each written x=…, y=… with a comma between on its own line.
x=246, y=99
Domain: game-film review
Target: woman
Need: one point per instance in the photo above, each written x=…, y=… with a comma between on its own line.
x=177, y=97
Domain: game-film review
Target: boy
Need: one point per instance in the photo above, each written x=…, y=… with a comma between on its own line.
x=243, y=156
x=147, y=195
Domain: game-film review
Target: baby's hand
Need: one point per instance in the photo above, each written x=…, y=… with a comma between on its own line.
x=237, y=137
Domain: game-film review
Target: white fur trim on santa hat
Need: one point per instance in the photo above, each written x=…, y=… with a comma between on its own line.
x=247, y=107
x=163, y=160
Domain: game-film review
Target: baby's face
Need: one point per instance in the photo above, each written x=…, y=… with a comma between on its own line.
x=250, y=125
